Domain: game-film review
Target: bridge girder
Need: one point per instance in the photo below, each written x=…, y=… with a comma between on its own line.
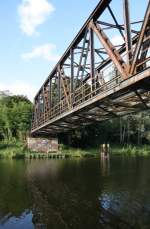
x=91, y=67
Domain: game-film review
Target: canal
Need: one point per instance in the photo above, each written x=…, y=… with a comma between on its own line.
x=78, y=194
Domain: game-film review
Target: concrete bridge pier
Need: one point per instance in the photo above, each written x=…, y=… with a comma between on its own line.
x=45, y=145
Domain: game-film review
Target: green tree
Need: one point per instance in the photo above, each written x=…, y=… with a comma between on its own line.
x=15, y=117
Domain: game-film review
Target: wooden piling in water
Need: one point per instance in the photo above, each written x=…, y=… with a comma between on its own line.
x=105, y=150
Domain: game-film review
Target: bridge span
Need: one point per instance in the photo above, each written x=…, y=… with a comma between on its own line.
x=104, y=73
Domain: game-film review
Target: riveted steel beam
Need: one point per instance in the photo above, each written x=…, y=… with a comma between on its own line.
x=140, y=39
x=111, y=50
x=128, y=37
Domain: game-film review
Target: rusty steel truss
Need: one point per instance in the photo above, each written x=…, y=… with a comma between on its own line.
x=97, y=78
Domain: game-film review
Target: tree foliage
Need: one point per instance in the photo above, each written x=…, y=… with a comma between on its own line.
x=131, y=129
x=15, y=117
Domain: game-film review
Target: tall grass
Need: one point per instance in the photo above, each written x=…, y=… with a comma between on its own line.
x=129, y=149
x=12, y=150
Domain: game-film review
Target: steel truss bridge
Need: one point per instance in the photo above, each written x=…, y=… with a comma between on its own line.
x=104, y=73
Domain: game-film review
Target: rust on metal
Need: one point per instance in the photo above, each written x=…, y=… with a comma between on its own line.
x=96, y=79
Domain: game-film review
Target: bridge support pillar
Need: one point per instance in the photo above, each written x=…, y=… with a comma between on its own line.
x=105, y=150
x=44, y=145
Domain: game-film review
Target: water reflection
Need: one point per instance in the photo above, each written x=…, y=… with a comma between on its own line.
x=111, y=193
x=14, y=196
x=64, y=202
x=125, y=200
x=105, y=165
x=23, y=222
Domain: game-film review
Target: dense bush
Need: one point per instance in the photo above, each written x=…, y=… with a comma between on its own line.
x=15, y=117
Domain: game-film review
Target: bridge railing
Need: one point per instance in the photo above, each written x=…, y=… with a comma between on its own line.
x=84, y=93
x=108, y=79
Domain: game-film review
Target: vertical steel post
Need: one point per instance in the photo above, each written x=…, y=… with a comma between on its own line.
x=38, y=109
x=72, y=69
x=34, y=114
x=128, y=37
x=72, y=75
x=140, y=39
x=58, y=85
x=43, y=92
x=92, y=59
x=50, y=93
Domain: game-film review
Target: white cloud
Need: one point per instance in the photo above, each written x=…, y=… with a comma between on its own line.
x=19, y=88
x=46, y=51
x=32, y=14
x=117, y=40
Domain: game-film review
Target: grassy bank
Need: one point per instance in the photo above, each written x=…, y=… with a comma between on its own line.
x=77, y=152
x=126, y=150
x=18, y=150
x=131, y=150
x=12, y=150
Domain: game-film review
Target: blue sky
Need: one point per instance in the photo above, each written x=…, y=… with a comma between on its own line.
x=35, y=33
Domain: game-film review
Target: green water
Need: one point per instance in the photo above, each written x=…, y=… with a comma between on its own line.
x=78, y=194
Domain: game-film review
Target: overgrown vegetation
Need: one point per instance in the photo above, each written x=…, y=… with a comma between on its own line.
x=15, y=118
x=131, y=150
x=15, y=122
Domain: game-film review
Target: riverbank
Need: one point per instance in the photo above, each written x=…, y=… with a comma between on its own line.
x=18, y=150
x=131, y=150
x=124, y=150
x=14, y=150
